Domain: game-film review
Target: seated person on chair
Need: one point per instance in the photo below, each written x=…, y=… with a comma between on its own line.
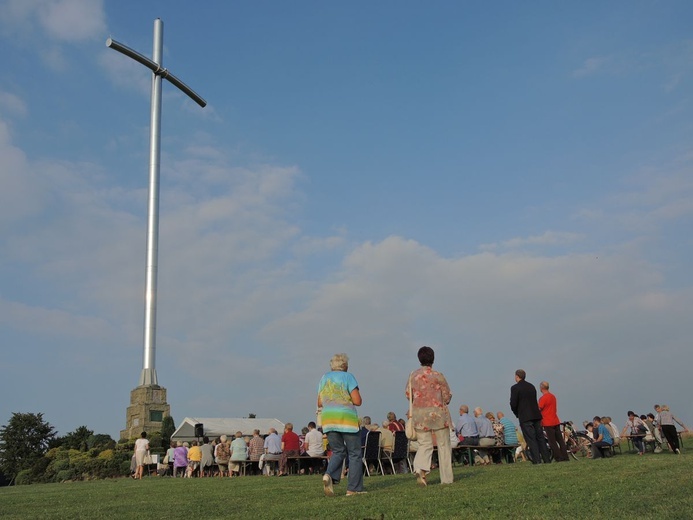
x=180, y=459
x=487, y=437
x=314, y=447
x=387, y=438
x=615, y=435
x=602, y=438
x=509, y=436
x=290, y=448
x=636, y=429
x=256, y=447
x=365, y=428
x=393, y=424
x=273, y=448
x=239, y=452
x=650, y=422
x=194, y=459
x=313, y=442
x=222, y=452
x=466, y=428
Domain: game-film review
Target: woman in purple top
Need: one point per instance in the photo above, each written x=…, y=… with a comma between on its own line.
x=180, y=459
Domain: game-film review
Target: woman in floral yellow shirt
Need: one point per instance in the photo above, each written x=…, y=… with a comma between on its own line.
x=431, y=417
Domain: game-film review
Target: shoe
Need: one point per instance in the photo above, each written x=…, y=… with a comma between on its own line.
x=327, y=485
x=421, y=478
x=352, y=493
x=658, y=450
x=678, y=451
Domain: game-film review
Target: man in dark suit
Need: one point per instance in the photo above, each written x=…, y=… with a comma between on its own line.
x=523, y=403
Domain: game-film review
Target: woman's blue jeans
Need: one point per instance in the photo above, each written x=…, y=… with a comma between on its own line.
x=345, y=445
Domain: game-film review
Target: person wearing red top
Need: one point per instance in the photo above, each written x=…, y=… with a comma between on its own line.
x=394, y=425
x=291, y=446
x=551, y=423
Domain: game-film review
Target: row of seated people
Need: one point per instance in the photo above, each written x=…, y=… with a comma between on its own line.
x=227, y=457
x=483, y=430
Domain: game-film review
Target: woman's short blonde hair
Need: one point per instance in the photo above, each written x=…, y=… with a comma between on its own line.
x=339, y=362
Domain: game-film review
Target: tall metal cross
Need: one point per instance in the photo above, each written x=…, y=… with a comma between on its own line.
x=148, y=375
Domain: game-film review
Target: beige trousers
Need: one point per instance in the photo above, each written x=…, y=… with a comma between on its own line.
x=422, y=460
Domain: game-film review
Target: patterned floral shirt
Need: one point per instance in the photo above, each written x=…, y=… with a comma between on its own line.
x=431, y=397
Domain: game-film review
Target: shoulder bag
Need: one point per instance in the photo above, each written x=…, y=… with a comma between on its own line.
x=409, y=428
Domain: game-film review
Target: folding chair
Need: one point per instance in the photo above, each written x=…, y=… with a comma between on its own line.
x=371, y=452
x=400, y=450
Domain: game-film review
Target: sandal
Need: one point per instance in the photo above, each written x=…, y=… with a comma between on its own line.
x=421, y=478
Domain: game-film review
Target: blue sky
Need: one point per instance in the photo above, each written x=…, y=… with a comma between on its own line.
x=509, y=183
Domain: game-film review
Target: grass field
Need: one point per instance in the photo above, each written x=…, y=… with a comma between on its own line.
x=625, y=486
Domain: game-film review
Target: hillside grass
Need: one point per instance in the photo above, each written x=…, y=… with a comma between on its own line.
x=624, y=486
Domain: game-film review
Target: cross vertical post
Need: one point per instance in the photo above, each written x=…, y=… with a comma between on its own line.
x=148, y=376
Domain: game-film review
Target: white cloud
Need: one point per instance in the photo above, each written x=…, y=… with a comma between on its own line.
x=60, y=20
x=548, y=238
x=592, y=66
x=20, y=196
x=126, y=72
x=651, y=199
x=73, y=20
x=12, y=104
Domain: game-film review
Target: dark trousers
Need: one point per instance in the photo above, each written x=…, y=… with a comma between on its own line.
x=534, y=437
x=639, y=443
x=596, y=449
x=556, y=443
x=669, y=431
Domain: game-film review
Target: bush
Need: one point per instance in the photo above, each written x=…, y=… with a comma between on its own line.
x=125, y=467
x=66, y=474
x=23, y=478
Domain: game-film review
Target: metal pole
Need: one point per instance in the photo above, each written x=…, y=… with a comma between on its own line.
x=148, y=376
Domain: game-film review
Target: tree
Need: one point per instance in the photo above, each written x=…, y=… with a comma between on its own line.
x=168, y=428
x=24, y=441
x=101, y=441
x=76, y=440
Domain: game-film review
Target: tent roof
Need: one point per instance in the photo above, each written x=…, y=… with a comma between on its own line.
x=215, y=427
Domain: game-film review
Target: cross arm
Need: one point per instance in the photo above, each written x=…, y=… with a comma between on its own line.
x=156, y=69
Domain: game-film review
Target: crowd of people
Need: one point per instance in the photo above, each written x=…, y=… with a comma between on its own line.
x=658, y=430
x=336, y=442
x=224, y=457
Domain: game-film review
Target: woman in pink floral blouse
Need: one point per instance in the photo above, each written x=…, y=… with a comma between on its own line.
x=431, y=417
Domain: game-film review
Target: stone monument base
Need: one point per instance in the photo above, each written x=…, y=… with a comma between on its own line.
x=147, y=410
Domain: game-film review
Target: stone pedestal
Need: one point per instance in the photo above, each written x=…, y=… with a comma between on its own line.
x=147, y=410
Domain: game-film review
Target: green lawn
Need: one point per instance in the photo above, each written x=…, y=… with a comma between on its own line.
x=625, y=486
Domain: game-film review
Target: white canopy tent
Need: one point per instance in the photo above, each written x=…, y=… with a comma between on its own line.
x=216, y=427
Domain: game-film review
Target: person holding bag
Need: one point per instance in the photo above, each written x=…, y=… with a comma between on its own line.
x=429, y=395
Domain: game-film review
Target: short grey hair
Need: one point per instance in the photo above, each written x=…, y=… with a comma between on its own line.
x=339, y=362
